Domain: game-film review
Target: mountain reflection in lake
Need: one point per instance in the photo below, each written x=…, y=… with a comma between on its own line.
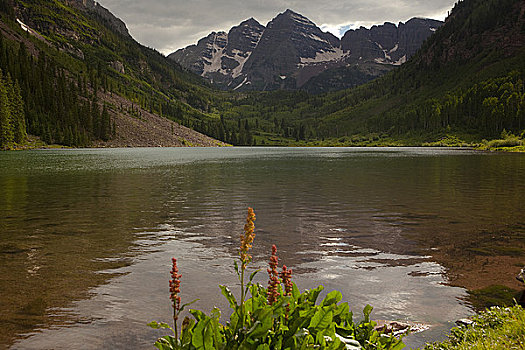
x=86, y=236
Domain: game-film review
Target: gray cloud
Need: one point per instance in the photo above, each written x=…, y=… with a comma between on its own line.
x=168, y=25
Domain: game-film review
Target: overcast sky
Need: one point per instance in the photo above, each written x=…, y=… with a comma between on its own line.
x=168, y=25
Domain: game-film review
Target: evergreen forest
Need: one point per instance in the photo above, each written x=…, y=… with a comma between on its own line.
x=60, y=71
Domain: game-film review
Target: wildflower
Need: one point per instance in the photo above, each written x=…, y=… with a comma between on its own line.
x=247, y=238
x=273, y=283
x=286, y=277
x=175, y=289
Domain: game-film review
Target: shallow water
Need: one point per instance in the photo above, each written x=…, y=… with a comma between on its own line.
x=86, y=236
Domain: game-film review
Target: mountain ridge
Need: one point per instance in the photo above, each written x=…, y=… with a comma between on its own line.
x=464, y=85
x=290, y=50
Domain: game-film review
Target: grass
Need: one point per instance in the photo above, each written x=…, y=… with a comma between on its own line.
x=495, y=328
x=507, y=143
x=494, y=295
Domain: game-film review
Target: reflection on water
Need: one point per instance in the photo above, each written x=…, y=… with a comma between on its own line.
x=86, y=236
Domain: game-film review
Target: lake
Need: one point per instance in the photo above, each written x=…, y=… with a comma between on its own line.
x=86, y=235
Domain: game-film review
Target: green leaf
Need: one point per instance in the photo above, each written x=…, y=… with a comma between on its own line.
x=336, y=344
x=199, y=315
x=165, y=343
x=333, y=297
x=398, y=346
x=343, y=311
x=237, y=269
x=202, y=337
x=216, y=327
x=157, y=325
x=295, y=291
x=263, y=323
x=314, y=294
x=187, y=330
x=229, y=296
x=198, y=337
x=322, y=319
x=305, y=339
x=234, y=321
x=252, y=275
x=187, y=304
x=366, y=312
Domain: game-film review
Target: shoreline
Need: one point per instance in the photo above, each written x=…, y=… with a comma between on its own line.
x=515, y=149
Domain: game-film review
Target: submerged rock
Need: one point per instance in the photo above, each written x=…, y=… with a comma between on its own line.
x=521, y=276
x=397, y=328
x=464, y=322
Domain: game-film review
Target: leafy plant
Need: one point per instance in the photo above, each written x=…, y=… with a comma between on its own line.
x=276, y=317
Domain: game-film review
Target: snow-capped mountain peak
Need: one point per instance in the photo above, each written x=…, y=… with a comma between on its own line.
x=291, y=49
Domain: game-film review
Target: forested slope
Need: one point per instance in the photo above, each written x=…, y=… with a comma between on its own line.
x=466, y=79
x=69, y=58
x=83, y=81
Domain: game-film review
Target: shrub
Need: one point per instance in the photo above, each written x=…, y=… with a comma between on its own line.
x=508, y=142
x=276, y=317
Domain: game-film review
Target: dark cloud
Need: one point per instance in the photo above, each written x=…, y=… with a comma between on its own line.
x=168, y=25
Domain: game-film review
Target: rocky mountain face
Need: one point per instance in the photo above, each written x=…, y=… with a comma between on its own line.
x=90, y=5
x=220, y=57
x=291, y=52
x=388, y=43
x=288, y=45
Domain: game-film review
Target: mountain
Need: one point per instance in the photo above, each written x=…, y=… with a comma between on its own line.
x=288, y=44
x=221, y=56
x=71, y=74
x=465, y=84
x=388, y=44
x=291, y=52
x=83, y=80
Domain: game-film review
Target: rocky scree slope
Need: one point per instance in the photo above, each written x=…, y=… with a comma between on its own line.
x=98, y=85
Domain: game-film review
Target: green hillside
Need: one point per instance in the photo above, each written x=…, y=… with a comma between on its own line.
x=78, y=78
x=466, y=81
x=67, y=59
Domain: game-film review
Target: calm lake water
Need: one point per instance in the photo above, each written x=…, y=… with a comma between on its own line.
x=86, y=236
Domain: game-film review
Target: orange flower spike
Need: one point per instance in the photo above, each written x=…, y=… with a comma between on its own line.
x=286, y=277
x=247, y=237
x=175, y=288
x=273, y=292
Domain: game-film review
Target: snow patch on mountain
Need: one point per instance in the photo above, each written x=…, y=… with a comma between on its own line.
x=400, y=61
x=241, y=84
x=215, y=63
x=335, y=54
x=24, y=27
x=298, y=18
x=315, y=37
x=394, y=49
x=241, y=58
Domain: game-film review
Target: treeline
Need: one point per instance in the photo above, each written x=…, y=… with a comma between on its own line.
x=57, y=108
x=61, y=90
x=12, y=115
x=486, y=108
x=62, y=80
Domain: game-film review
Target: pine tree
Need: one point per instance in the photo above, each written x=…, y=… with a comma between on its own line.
x=6, y=132
x=105, y=125
x=18, y=120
